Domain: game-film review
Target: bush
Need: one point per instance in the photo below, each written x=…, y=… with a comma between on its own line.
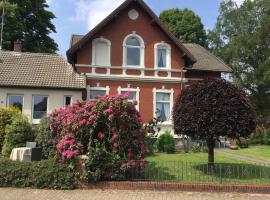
x=44, y=139
x=196, y=149
x=6, y=115
x=166, y=143
x=150, y=143
x=267, y=137
x=44, y=174
x=243, y=142
x=17, y=134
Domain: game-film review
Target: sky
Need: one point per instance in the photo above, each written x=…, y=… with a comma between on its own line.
x=80, y=16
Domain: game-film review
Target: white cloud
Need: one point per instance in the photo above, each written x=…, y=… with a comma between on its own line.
x=94, y=11
x=239, y=2
x=49, y=2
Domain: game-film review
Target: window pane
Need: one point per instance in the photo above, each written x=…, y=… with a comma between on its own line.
x=162, y=57
x=163, y=111
x=40, y=107
x=101, y=54
x=163, y=96
x=133, y=56
x=97, y=93
x=16, y=101
x=67, y=101
x=133, y=41
x=132, y=95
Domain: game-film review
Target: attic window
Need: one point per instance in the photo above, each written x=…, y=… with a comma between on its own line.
x=133, y=14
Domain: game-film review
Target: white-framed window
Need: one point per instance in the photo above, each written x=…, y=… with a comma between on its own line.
x=162, y=56
x=39, y=107
x=133, y=51
x=67, y=101
x=94, y=92
x=163, y=103
x=101, y=52
x=15, y=101
x=134, y=94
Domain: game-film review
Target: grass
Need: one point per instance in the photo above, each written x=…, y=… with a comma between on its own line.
x=192, y=167
x=255, y=151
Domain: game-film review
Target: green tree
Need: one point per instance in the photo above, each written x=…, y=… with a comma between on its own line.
x=31, y=23
x=185, y=25
x=241, y=38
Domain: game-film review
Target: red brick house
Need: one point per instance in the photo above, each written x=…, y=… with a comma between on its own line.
x=131, y=50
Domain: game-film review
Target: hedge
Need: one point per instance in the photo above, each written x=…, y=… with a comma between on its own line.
x=43, y=174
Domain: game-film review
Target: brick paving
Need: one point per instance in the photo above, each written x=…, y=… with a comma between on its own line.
x=33, y=194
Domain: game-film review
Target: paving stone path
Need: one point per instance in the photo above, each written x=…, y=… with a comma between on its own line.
x=33, y=194
x=246, y=158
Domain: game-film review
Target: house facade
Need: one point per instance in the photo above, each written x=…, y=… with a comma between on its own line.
x=37, y=83
x=132, y=51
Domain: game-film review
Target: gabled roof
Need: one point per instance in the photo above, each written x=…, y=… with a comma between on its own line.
x=206, y=61
x=36, y=70
x=88, y=36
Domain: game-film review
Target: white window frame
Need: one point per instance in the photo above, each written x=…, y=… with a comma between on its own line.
x=137, y=90
x=8, y=95
x=142, y=47
x=101, y=39
x=167, y=91
x=89, y=88
x=37, y=121
x=166, y=46
x=71, y=100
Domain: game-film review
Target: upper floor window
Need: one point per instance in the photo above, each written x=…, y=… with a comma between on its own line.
x=101, y=52
x=133, y=51
x=162, y=56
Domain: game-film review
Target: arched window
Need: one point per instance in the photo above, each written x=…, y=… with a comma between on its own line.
x=133, y=51
x=101, y=52
x=162, y=56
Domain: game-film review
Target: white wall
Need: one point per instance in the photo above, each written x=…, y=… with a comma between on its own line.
x=55, y=97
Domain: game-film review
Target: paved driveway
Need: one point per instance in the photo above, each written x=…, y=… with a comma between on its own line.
x=32, y=194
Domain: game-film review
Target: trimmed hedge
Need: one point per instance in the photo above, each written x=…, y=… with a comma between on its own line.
x=166, y=143
x=44, y=174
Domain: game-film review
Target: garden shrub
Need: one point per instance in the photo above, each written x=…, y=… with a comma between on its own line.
x=166, y=142
x=109, y=131
x=44, y=139
x=17, y=134
x=44, y=174
x=267, y=137
x=150, y=143
x=243, y=142
x=6, y=115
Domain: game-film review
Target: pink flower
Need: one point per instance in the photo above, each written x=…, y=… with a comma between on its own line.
x=114, y=136
x=110, y=117
x=135, y=102
x=107, y=110
x=101, y=135
x=130, y=154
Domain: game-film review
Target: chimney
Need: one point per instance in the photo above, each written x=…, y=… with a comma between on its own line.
x=17, y=46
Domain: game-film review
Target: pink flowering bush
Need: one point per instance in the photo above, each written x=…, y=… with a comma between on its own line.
x=109, y=131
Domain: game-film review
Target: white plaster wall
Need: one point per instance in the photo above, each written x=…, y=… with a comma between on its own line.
x=55, y=98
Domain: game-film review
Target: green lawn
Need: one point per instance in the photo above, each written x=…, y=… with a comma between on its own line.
x=256, y=151
x=192, y=167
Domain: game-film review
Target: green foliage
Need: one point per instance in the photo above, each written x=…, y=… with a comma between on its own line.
x=17, y=134
x=31, y=22
x=166, y=143
x=185, y=25
x=6, y=115
x=241, y=38
x=44, y=174
x=267, y=137
x=150, y=143
x=243, y=142
x=44, y=139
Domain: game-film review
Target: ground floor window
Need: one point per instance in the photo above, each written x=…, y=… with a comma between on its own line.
x=15, y=101
x=163, y=102
x=67, y=101
x=95, y=92
x=40, y=107
x=133, y=94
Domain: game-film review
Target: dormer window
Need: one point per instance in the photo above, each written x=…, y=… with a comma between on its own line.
x=133, y=51
x=162, y=56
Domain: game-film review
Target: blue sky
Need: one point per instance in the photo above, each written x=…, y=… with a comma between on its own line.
x=80, y=16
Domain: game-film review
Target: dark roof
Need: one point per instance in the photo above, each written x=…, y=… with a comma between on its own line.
x=187, y=55
x=38, y=70
x=205, y=60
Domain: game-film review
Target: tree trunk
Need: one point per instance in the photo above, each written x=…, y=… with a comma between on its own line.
x=211, y=144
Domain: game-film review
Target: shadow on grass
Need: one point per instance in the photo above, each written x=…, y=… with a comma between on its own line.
x=239, y=171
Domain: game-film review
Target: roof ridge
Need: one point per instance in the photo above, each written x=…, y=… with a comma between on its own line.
x=32, y=53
